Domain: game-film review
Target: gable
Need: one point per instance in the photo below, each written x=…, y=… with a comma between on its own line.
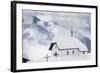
x=52, y=45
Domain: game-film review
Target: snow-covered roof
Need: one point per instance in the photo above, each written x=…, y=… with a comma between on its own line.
x=69, y=42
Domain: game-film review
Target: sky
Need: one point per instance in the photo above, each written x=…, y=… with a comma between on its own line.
x=41, y=27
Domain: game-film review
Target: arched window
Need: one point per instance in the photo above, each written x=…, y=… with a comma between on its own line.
x=56, y=54
x=73, y=51
x=67, y=52
x=83, y=52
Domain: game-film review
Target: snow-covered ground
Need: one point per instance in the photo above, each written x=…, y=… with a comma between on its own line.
x=63, y=58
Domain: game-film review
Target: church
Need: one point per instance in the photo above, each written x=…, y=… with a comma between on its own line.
x=67, y=46
x=70, y=46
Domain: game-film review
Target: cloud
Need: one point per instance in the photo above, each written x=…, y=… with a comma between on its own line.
x=47, y=25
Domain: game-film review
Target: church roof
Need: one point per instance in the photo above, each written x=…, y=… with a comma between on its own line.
x=69, y=43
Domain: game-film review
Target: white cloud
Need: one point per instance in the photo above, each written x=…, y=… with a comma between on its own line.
x=33, y=49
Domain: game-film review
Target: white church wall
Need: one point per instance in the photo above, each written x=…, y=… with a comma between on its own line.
x=86, y=53
x=66, y=52
x=62, y=53
x=76, y=52
x=70, y=52
x=83, y=54
x=54, y=50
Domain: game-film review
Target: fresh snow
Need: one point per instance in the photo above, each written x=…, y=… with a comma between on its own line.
x=63, y=58
x=70, y=42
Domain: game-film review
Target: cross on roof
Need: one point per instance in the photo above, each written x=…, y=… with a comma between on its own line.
x=47, y=57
